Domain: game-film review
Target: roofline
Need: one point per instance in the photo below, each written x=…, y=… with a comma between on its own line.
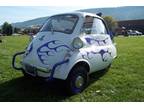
x=83, y=14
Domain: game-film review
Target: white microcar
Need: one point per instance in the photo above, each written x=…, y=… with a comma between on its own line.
x=69, y=47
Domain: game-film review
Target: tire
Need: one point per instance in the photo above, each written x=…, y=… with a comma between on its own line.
x=77, y=80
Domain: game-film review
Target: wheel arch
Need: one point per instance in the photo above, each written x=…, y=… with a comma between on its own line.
x=84, y=63
x=63, y=73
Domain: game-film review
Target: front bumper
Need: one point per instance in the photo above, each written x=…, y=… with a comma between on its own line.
x=35, y=70
x=14, y=60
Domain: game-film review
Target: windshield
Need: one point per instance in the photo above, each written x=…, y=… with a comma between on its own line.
x=61, y=23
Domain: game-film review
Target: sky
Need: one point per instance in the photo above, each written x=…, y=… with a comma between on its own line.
x=22, y=10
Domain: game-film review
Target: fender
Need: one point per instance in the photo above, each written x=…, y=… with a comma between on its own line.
x=63, y=71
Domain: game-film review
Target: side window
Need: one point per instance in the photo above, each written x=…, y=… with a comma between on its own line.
x=88, y=23
x=94, y=26
x=98, y=27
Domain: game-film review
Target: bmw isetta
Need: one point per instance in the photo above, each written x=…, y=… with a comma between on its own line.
x=69, y=47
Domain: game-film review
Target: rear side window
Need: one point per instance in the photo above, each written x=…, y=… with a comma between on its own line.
x=94, y=25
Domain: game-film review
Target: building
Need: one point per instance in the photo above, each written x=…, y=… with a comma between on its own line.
x=132, y=25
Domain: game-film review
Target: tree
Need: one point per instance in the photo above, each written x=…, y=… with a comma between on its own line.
x=111, y=22
x=16, y=30
x=7, y=29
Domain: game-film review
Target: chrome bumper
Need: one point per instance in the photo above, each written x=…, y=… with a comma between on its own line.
x=14, y=60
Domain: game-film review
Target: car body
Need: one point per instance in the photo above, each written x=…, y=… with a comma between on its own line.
x=134, y=32
x=68, y=43
x=138, y=33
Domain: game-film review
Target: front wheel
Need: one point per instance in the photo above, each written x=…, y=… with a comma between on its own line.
x=77, y=80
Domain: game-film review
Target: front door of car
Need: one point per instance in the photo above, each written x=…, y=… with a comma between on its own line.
x=99, y=42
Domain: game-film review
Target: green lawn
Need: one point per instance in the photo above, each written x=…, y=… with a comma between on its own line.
x=123, y=82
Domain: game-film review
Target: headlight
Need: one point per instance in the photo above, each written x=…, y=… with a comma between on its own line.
x=77, y=43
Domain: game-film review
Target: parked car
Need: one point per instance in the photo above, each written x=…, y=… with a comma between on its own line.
x=69, y=47
x=134, y=32
x=138, y=33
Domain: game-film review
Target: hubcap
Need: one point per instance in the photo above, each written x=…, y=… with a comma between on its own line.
x=79, y=81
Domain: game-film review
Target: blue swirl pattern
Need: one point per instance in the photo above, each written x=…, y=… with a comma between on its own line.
x=29, y=50
x=101, y=52
x=90, y=40
x=50, y=51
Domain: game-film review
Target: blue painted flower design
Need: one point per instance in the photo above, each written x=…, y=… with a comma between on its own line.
x=50, y=49
x=29, y=49
x=102, y=52
x=91, y=40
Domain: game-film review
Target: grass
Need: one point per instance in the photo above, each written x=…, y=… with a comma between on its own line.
x=123, y=82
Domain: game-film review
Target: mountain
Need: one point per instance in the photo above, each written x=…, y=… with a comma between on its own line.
x=29, y=23
x=119, y=13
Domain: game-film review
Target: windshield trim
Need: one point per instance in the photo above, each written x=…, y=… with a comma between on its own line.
x=72, y=30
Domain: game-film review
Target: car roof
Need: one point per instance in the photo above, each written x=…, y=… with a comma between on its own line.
x=81, y=14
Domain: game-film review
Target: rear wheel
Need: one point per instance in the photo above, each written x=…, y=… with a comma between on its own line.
x=77, y=80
